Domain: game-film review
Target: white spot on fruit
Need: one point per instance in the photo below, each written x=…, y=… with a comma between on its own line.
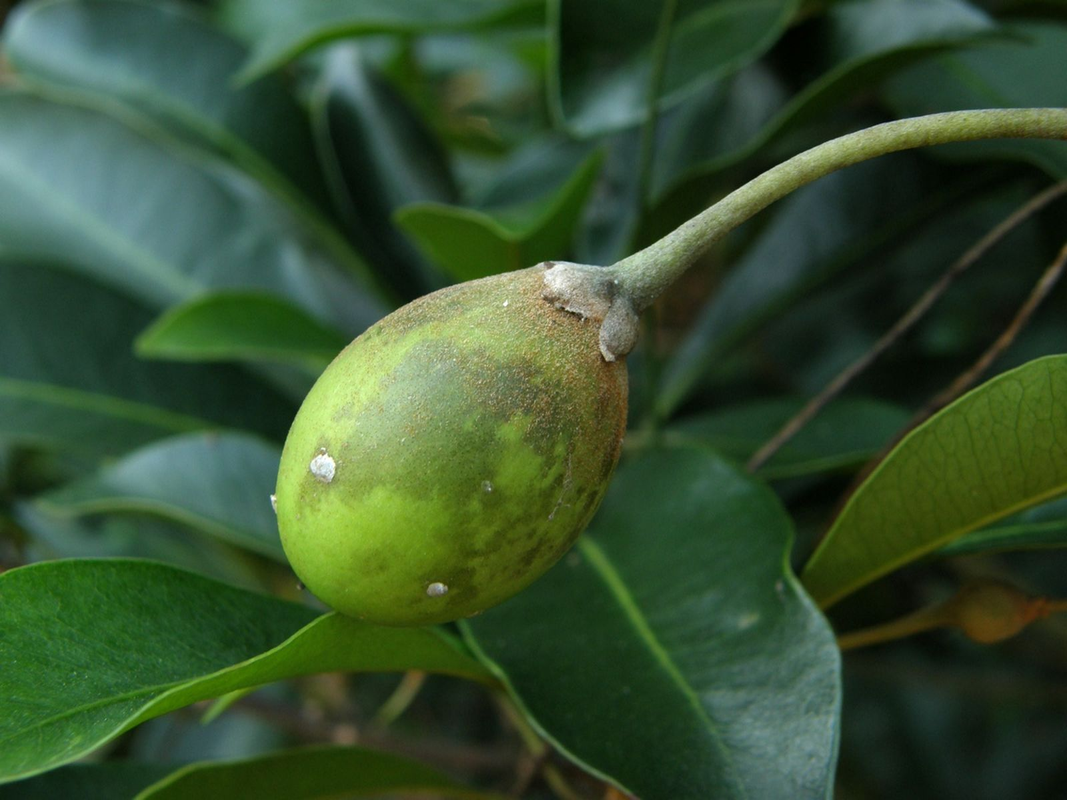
x=323, y=467
x=436, y=589
x=487, y=486
x=274, y=502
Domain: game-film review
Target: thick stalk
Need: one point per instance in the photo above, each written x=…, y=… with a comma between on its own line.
x=642, y=277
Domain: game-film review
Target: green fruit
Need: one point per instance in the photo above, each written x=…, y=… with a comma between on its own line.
x=451, y=454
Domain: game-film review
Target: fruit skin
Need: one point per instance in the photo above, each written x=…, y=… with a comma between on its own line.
x=472, y=433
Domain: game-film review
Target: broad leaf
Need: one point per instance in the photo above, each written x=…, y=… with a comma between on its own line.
x=1040, y=527
x=309, y=773
x=603, y=52
x=234, y=326
x=164, y=59
x=92, y=648
x=845, y=433
x=116, y=780
x=997, y=450
x=217, y=483
x=70, y=175
x=282, y=31
x=69, y=380
x=54, y=535
x=470, y=243
x=1027, y=72
x=862, y=42
x=379, y=156
x=673, y=652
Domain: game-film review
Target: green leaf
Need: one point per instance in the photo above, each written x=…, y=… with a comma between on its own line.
x=997, y=450
x=116, y=780
x=672, y=651
x=282, y=31
x=845, y=433
x=309, y=773
x=602, y=53
x=68, y=378
x=379, y=156
x=217, y=483
x=70, y=175
x=93, y=648
x=862, y=43
x=1028, y=72
x=470, y=243
x=817, y=231
x=128, y=535
x=164, y=59
x=1042, y=527
x=233, y=326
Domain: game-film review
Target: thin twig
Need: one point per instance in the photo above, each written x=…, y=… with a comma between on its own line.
x=447, y=754
x=965, y=380
x=904, y=324
x=402, y=697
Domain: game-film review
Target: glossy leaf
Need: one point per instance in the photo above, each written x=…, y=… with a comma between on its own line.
x=379, y=156
x=602, y=58
x=117, y=780
x=1042, y=527
x=309, y=773
x=1028, y=70
x=861, y=43
x=997, y=450
x=704, y=671
x=846, y=433
x=234, y=326
x=164, y=59
x=816, y=231
x=217, y=483
x=70, y=175
x=282, y=31
x=92, y=648
x=69, y=380
x=470, y=243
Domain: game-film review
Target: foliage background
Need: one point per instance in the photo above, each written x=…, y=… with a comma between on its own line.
x=201, y=203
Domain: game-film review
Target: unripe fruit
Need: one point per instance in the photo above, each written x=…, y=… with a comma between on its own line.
x=451, y=454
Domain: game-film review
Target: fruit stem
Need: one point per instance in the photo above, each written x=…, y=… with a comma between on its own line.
x=643, y=276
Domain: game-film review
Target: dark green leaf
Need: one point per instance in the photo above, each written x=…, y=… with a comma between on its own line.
x=673, y=651
x=282, y=31
x=860, y=44
x=68, y=378
x=217, y=483
x=129, y=535
x=472, y=243
x=997, y=450
x=1040, y=527
x=1028, y=72
x=232, y=326
x=92, y=648
x=309, y=773
x=603, y=53
x=109, y=781
x=163, y=59
x=148, y=214
x=844, y=434
x=379, y=157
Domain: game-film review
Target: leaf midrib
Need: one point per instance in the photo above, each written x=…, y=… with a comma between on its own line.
x=604, y=569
